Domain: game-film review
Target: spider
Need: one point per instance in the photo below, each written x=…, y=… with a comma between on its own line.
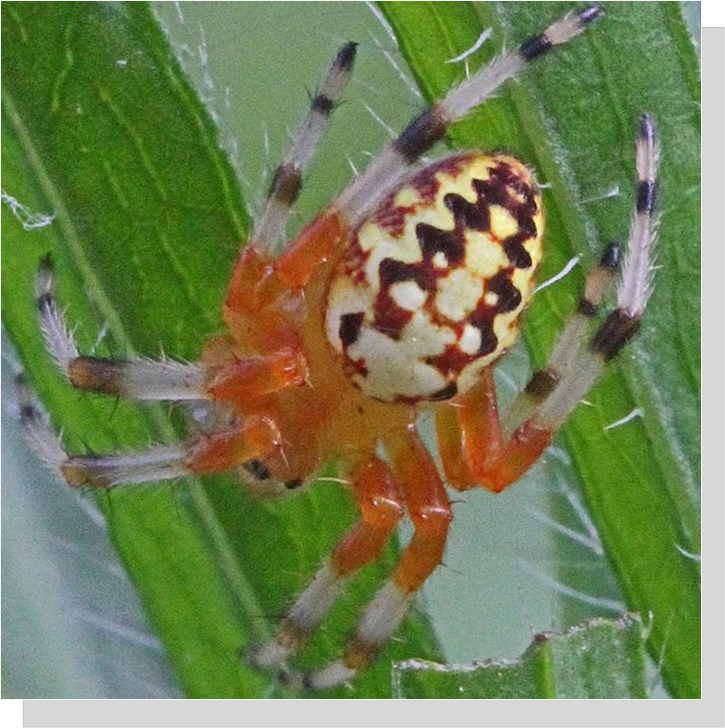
x=400, y=296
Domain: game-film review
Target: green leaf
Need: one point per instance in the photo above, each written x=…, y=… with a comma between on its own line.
x=103, y=131
x=573, y=119
x=600, y=659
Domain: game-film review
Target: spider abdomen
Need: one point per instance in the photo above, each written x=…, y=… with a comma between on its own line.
x=431, y=287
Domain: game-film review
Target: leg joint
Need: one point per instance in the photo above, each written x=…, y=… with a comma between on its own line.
x=432, y=520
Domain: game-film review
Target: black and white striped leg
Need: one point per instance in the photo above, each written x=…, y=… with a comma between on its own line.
x=94, y=471
x=576, y=361
x=215, y=452
x=385, y=172
x=287, y=180
x=133, y=378
x=569, y=343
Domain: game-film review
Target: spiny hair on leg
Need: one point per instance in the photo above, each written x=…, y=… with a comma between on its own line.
x=58, y=337
x=37, y=427
x=90, y=470
x=162, y=462
x=633, y=292
x=139, y=378
x=636, y=287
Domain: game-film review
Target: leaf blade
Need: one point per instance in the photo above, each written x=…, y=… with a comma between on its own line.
x=603, y=659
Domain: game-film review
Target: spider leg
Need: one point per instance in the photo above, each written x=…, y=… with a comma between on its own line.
x=633, y=292
x=569, y=343
x=494, y=455
x=257, y=436
x=430, y=512
x=318, y=240
x=381, y=508
x=483, y=454
x=478, y=412
x=255, y=276
x=287, y=180
x=146, y=379
x=385, y=172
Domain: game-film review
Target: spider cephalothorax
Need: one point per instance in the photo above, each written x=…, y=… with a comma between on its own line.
x=401, y=294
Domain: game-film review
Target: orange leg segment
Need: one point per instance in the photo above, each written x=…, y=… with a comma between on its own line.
x=381, y=508
x=312, y=248
x=494, y=462
x=249, y=310
x=261, y=297
x=252, y=285
x=428, y=505
x=221, y=451
x=249, y=379
x=450, y=446
x=258, y=279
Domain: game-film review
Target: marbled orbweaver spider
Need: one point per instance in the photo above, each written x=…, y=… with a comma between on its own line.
x=401, y=295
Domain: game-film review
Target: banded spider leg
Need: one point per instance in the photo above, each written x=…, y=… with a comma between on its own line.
x=476, y=447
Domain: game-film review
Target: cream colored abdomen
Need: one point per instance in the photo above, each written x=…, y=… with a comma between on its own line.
x=433, y=284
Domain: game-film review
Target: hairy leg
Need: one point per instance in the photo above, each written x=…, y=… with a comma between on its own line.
x=317, y=242
x=385, y=172
x=497, y=455
x=427, y=504
x=216, y=452
x=246, y=378
x=381, y=508
x=286, y=184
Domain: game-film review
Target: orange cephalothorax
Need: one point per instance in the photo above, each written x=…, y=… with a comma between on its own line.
x=430, y=290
